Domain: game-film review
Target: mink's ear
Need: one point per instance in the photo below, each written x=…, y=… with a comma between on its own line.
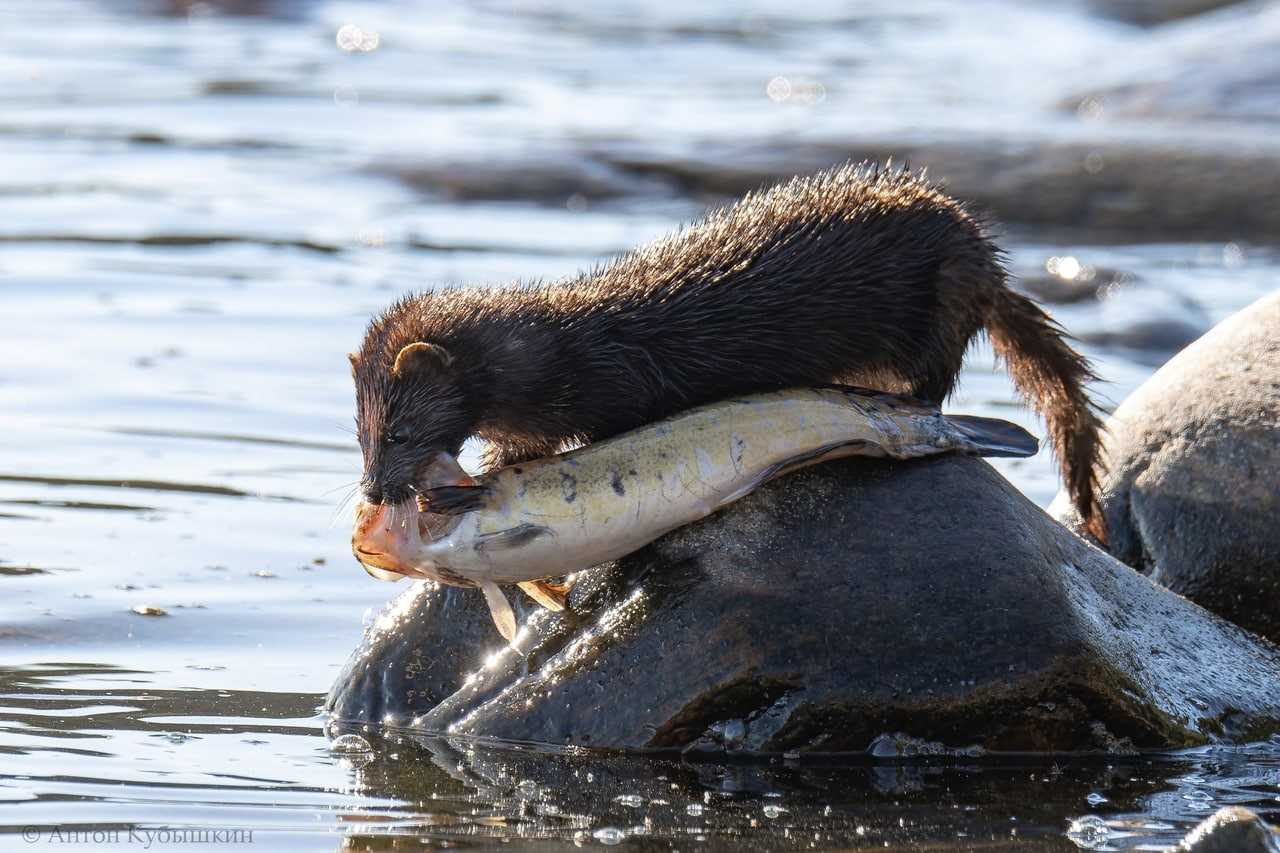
x=354, y=358
x=420, y=357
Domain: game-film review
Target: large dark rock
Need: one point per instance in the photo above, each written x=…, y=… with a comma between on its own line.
x=1192, y=497
x=898, y=607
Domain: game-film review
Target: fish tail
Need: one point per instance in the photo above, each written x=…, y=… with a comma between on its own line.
x=992, y=437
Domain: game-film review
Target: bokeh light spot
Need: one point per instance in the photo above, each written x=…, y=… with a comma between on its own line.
x=353, y=38
x=779, y=89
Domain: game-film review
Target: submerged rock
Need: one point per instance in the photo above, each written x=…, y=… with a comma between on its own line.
x=1192, y=496
x=923, y=607
x=1151, y=12
x=1205, y=184
x=1148, y=320
x=1138, y=180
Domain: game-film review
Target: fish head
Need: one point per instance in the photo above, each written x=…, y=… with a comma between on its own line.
x=392, y=541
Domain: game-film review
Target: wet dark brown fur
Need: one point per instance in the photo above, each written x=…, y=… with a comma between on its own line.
x=857, y=275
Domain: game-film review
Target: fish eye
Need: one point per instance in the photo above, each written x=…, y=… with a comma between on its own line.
x=399, y=435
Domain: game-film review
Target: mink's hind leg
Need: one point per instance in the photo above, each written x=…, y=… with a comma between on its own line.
x=934, y=389
x=937, y=367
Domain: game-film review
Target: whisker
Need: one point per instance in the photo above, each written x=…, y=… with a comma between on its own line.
x=345, y=508
x=347, y=428
x=398, y=514
x=350, y=487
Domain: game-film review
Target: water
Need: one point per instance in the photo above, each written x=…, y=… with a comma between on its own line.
x=200, y=211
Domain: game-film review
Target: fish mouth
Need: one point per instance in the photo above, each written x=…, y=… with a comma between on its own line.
x=379, y=541
x=388, y=539
x=371, y=564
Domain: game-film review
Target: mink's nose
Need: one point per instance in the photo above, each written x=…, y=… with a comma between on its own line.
x=371, y=492
x=384, y=493
x=376, y=487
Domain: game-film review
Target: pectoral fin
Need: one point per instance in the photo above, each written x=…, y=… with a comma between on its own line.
x=453, y=500
x=503, y=616
x=512, y=538
x=549, y=595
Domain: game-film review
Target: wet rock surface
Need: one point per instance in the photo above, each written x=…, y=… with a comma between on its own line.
x=1192, y=495
x=1231, y=830
x=899, y=608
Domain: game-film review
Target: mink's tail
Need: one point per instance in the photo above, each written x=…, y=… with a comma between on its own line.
x=1047, y=371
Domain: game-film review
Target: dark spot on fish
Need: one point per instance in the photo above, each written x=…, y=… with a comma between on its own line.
x=618, y=489
x=569, y=483
x=512, y=537
x=450, y=577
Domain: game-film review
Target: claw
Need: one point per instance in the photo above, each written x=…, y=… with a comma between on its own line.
x=550, y=595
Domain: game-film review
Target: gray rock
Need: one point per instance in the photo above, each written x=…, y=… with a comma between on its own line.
x=1193, y=492
x=900, y=608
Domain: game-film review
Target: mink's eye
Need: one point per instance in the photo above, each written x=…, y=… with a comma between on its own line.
x=399, y=435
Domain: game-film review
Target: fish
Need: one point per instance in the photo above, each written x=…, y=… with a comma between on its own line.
x=552, y=517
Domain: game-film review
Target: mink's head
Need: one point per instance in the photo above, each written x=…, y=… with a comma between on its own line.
x=411, y=404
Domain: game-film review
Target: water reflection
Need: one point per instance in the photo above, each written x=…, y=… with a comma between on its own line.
x=466, y=789
x=96, y=700
x=116, y=751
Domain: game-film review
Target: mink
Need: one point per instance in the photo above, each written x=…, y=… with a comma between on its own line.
x=857, y=275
